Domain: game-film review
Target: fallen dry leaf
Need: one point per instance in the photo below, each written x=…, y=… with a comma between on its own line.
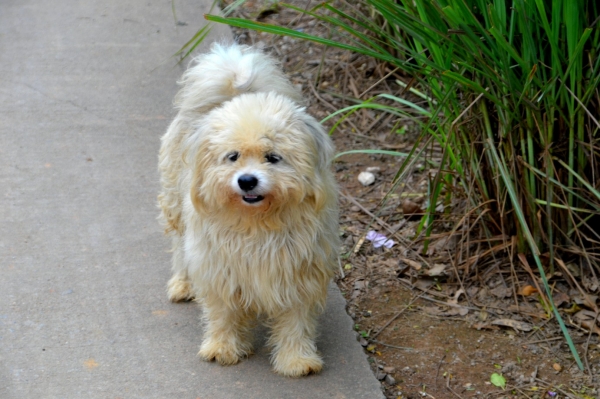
x=487, y=326
x=589, y=325
x=410, y=208
x=501, y=292
x=560, y=298
x=423, y=284
x=526, y=309
x=591, y=284
x=433, y=310
x=415, y=265
x=557, y=367
x=585, y=319
x=359, y=244
x=586, y=300
x=517, y=325
x=457, y=295
x=528, y=290
x=438, y=246
x=436, y=270
x=461, y=311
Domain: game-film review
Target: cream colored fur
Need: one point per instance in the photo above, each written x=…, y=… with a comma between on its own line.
x=241, y=260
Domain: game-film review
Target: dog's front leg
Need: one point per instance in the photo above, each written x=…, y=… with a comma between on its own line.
x=292, y=338
x=227, y=332
x=179, y=287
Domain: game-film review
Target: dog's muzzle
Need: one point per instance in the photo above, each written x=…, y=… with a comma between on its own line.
x=248, y=183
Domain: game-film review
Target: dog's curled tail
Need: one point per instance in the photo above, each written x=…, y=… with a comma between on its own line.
x=228, y=71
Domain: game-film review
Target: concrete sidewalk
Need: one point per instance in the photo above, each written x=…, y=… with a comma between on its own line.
x=84, y=98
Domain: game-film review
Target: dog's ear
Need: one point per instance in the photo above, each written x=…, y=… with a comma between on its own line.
x=322, y=143
x=323, y=186
x=198, y=159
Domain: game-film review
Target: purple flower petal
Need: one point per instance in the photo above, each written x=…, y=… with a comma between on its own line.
x=379, y=240
x=371, y=235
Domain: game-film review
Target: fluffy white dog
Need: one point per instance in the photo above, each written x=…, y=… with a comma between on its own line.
x=251, y=204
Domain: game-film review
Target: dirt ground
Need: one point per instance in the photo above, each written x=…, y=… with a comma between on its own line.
x=431, y=329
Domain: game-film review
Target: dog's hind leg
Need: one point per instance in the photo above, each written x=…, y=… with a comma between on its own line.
x=227, y=335
x=292, y=339
x=179, y=287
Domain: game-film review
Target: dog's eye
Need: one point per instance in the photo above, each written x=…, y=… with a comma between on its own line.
x=233, y=156
x=272, y=158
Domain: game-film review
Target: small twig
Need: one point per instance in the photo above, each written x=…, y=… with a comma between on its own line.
x=458, y=306
x=392, y=346
x=590, y=303
x=396, y=316
x=453, y=262
x=521, y=392
x=587, y=344
x=411, y=287
x=539, y=328
x=556, y=388
x=376, y=83
x=466, y=110
x=587, y=111
x=369, y=213
x=450, y=389
x=437, y=373
x=513, y=272
x=539, y=341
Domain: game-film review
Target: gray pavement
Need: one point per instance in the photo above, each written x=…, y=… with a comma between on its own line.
x=84, y=98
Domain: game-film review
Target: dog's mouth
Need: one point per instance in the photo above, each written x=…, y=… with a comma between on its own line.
x=252, y=199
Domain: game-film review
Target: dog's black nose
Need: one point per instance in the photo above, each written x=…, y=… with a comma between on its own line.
x=247, y=182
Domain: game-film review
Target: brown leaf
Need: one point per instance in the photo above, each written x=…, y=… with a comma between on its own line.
x=483, y=325
x=586, y=300
x=526, y=309
x=433, y=310
x=410, y=208
x=585, y=318
x=423, y=284
x=517, y=325
x=457, y=295
x=436, y=270
x=437, y=246
x=591, y=284
x=501, y=291
x=560, y=298
x=585, y=314
x=557, y=367
x=359, y=284
x=528, y=290
x=457, y=311
x=415, y=265
x=590, y=325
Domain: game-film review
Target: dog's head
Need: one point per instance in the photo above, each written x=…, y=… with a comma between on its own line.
x=258, y=155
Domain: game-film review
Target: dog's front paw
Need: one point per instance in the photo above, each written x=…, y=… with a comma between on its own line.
x=224, y=353
x=296, y=365
x=179, y=289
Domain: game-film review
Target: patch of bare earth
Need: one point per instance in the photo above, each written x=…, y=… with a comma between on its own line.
x=435, y=323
